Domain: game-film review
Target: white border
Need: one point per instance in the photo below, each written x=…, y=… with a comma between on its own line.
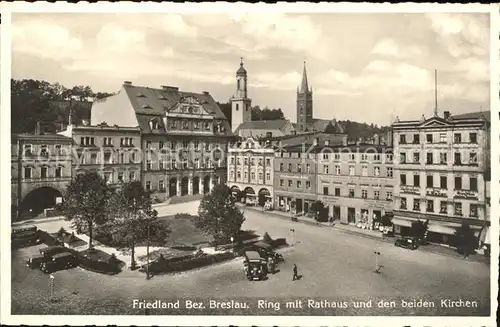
x=40, y=7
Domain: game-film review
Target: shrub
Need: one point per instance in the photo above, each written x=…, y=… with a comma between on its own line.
x=47, y=238
x=267, y=239
x=179, y=264
x=98, y=261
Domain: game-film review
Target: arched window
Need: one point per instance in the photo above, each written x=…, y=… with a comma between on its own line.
x=238, y=84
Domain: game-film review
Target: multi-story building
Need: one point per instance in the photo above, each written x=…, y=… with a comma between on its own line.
x=294, y=178
x=250, y=168
x=355, y=182
x=112, y=151
x=184, y=136
x=40, y=171
x=441, y=167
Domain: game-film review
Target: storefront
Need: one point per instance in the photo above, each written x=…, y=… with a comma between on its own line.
x=298, y=202
x=402, y=225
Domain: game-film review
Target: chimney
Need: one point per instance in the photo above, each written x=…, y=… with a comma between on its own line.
x=327, y=142
x=127, y=83
x=206, y=93
x=315, y=141
x=169, y=88
x=446, y=115
x=376, y=139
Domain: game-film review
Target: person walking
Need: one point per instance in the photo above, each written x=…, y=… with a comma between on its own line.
x=295, y=275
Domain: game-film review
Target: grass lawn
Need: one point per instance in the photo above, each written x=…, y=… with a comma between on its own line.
x=183, y=232
x=69, y=239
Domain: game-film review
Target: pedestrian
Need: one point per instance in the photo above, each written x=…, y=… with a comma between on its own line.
x=295, y=275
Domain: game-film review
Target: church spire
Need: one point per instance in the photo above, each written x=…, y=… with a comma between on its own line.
x=304, y=87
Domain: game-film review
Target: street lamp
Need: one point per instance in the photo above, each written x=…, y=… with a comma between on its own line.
x=377, y=266
x=147, y=252
x=292, y=230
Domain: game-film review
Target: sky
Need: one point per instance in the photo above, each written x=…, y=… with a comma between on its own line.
x=366, y=67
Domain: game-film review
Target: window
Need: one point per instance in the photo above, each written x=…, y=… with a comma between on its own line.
x=416, y=157
x=196, y=145
x=148, y=144
x=458, y=182
x=161, y=185
x=299, y=168
x=174, y=164
x=325, y=169
x=443, y=207
x=268, y=176
x=148, y=165
x=44, y=172
x=337, y=156
x=389, y=196
x=458, y=208
x=337, y=169
x=261, y=176
x=299, y=184
x=260, y=161
x=43, y=151
x=430, y=181
x=351, y=192
x=416, y=204
x=430, y=206
x=238, y=175
x=442, y=138
x=281, y=166
x=308, y=184
x=337, y=191
x=389, y=172
x=376, y=171
x=428, y=138
x=429, y=160
x=252, y=175
x=376, y=157
x=162, y=165
x=108, y=141
x=237, y=105
x=402, y=157
x=364, y=194
x=93, y=158
x=290, y=183
x=388, y=157
x=473, y=183
x=58, y=172
x=325, y=156
x=457, y=138
x=473, y=210
x=252, y=161
x=403, y=203
x=325, y=190
x=458, y=159
x=268, y=162
x=364, y=157
x=282, y=182
x=351, y=156
x=207, y=146
x=402, y=139
x=120, y=176
x=28, y=149
x=376, y=195
x=402, y=178
x=443, y=182
x=289, y=167
x=245, y=175
x=416, y=180
x=473, y=158
x=308, y=168
x=416, y=138
x=364, y=171
x=473, y=137
x=148, y=186
x=245, y=161
x=443, y=158
x=351, y=170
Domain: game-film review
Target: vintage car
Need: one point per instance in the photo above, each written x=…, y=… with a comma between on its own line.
x=36, y=261
x=60, y=261
x=24, y=236
x=255, y=266
x=407, y=242
x=51, y=250
x=266, y=250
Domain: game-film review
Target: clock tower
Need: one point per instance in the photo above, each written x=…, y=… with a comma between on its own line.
x=240, y=103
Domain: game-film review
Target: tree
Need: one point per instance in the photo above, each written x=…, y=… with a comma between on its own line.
x=262, y=199
x=218, y=215
x=330, y=129
x=466, y=241
x=134, y=220
x=418, y=229
x=318, y=207
x=85, y=202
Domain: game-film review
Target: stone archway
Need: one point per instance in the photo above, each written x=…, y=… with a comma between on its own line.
x=184, y=186
x=196, y=185
x=263, y=196
x=172, y=187
x=39, y=199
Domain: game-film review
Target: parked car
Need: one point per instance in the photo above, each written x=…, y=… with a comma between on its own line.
x=407, y=242
x=255, y=266
x=24, y=236
x=36, y=261
x=51, y=250
x=60, y=261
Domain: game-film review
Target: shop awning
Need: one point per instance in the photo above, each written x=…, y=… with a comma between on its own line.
x=449, y=228
x=400, y=221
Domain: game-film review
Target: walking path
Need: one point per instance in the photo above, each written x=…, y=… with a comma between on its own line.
x=374, y=234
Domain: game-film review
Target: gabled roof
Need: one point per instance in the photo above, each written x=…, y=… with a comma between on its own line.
x=436, y=121
x=474, y=115
x=278, y=124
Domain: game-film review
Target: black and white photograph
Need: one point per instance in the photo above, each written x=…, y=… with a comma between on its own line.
x=249, y=161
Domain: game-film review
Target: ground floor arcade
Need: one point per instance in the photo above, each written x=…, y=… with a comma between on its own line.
x=252, y=194
x=356, y=210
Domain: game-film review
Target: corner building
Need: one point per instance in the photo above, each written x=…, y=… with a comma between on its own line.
x=442, y=169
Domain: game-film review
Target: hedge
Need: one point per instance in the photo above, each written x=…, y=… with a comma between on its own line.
x=164, y=266
x=48, y=239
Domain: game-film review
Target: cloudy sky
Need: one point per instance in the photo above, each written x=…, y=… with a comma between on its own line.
x=363, y=67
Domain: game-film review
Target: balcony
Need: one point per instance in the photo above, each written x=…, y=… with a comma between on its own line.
x=409, y=189
x=466, y=194
x=430, y=191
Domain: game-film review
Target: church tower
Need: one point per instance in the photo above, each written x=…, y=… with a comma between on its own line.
x=240, y=103
x=304, y=104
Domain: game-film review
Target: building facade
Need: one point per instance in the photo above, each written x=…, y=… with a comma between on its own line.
x=441, y=171
x=250, y=169
x=40, y=172
x=355, y=182
x=294, y=178
x=112, y=151
x=184, y=136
